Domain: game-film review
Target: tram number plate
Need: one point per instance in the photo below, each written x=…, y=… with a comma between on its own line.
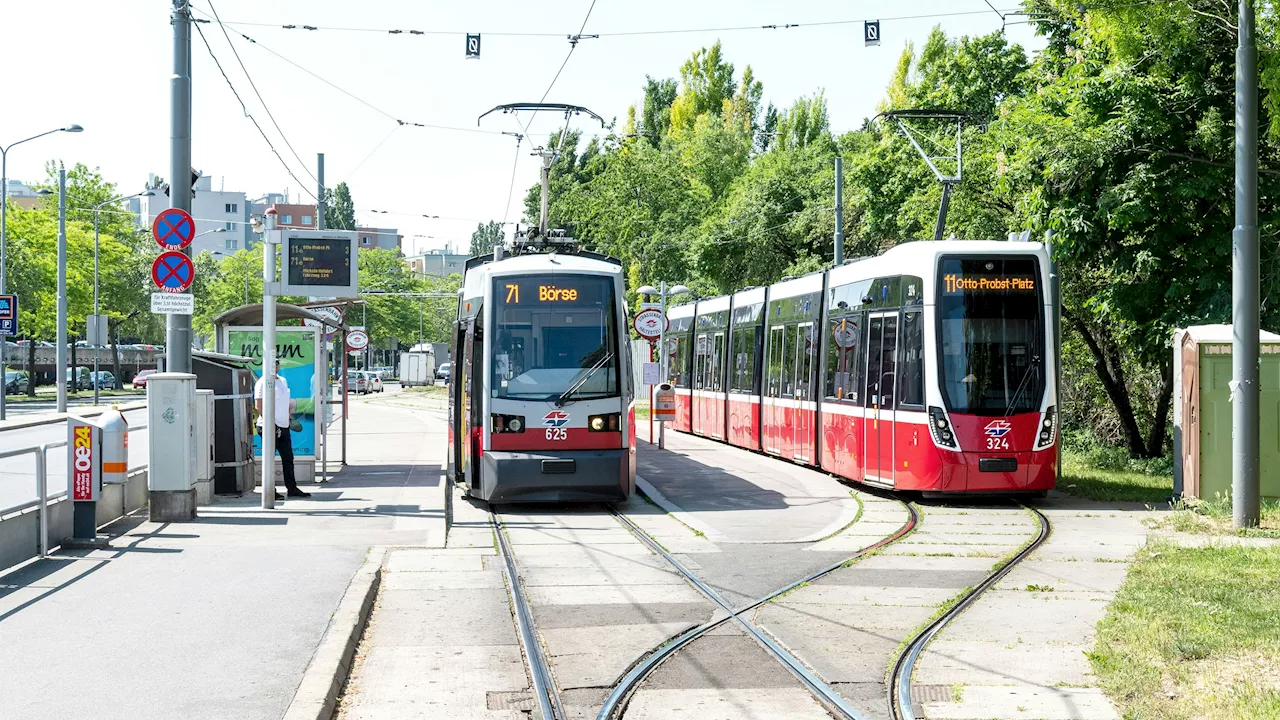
x=997, y=443
x=557, y=434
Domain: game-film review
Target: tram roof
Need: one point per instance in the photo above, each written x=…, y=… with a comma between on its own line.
x=550, y=262
x=919, y=257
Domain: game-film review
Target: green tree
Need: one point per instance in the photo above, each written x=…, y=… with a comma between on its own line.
x=485, y=237
x=339, y=209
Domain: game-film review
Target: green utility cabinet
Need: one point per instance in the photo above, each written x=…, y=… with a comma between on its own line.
x=1202, y=412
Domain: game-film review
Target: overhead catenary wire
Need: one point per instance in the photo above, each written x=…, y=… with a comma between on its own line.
x=249, y=115
x=254, y=85
x=623, y=33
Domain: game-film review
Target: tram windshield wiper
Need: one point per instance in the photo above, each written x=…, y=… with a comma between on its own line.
x=566, y=396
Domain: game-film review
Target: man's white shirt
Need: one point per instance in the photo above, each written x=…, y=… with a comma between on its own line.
x=282, y=400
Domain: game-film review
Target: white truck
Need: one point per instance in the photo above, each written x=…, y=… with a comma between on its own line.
x=417, y=367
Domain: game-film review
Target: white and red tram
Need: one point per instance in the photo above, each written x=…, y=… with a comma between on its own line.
x=927, y=368
x=541, y=405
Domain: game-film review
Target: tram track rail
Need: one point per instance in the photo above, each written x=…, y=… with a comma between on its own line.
x=615, y=705
x=904, y=666
x=540, y=676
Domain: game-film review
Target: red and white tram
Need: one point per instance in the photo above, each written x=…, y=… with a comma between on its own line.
x=927, y=368
x=541, y=405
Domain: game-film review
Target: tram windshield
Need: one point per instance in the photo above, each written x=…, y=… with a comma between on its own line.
x=990, y=312
x=552, y=334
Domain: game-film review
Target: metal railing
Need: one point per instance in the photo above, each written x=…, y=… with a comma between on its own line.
x=43, y=498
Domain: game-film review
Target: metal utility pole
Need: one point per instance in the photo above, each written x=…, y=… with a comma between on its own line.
x=1245, y=477
x=62, y=290
x=662, y=359
x=839, y=213
x=178, y=327
x=547, y=157
x=269, y=363
x=319, y=191
x=4, y=234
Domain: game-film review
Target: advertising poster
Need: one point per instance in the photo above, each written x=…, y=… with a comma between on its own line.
x=296, y=348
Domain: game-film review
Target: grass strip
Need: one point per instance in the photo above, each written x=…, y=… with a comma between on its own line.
x=1193, y=633
x=1106, y=484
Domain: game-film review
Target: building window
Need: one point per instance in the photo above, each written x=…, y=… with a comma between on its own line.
x=229, y=227
x=232, y=207
x=286, y=219
x=364, y=241
x=231, y=244
x=306, y=219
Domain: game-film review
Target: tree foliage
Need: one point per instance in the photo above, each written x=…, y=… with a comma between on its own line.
x=485, y=237
x=339, y=208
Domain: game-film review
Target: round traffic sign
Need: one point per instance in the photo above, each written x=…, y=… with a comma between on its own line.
x=650, y=323
x=173, y=229
x=331, y=313
x=357, y=340
x=173, y=272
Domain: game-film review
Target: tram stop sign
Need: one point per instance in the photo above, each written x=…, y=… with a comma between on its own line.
x=650, y=323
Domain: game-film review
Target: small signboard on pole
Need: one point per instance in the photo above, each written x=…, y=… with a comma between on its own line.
x=164, y=303
x=871, y=32
x=319, y=262
x=652, y=373
x=96, y=330
x=9, y=315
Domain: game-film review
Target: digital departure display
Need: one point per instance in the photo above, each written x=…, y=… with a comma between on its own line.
x=953, y=283
x=583, y=290
x=320, y=261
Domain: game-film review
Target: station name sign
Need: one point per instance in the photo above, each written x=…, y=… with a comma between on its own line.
x=962, y=284
x=319, y=263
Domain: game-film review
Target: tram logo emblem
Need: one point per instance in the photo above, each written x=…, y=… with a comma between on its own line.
x=555, y=418
x=997, y=428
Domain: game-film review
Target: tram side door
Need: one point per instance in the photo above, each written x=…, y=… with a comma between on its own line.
x=472, y=368
x=802, y=419
x=881, y=386
x=771, y=411
x=701, y=382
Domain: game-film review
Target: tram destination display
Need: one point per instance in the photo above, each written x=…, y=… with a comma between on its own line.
x=319, y=263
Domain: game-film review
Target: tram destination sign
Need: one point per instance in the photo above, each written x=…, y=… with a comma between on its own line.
x=319, y=262
x=953, y=283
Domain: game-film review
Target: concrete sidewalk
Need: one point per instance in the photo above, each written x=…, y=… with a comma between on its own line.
x=220, y=617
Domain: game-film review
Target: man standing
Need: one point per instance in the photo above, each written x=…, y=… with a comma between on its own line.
x=284, y=441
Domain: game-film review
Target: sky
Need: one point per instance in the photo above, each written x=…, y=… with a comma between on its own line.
x=106, y=64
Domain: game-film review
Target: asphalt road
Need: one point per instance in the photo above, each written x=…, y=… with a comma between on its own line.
x=18, y=474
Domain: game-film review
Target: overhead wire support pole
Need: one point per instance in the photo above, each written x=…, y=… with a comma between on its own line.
x=839, y=239
x=1245, y=473
x=948, y=181
x=178, y=327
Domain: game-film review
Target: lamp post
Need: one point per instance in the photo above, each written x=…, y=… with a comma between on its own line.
x=661, y=291
x=4, y=205
x=97, y=211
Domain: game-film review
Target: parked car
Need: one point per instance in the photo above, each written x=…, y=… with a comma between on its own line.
x=104, y=379
x=140, y=380
x=78, y=378
x=357, y=382
x=442, y=372
x=373, y=382
x=15, y=382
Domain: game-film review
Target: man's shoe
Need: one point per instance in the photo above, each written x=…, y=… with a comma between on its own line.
x=279, y=496
x=299, y=494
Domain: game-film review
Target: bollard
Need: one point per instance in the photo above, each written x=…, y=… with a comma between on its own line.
x=115, y=446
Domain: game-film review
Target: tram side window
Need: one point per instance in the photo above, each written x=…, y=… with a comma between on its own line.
x=911, y=384
x=717, y=364
x=744, y=359
x=678, y=350
x=774, y=367
x=788, y=361
x=804, y=361
x=842, y=358
x=700, y=365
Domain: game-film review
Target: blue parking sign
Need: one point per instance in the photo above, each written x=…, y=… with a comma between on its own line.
x=9, y=315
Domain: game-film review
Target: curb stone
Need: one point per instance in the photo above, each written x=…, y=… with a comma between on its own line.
x=326, y=674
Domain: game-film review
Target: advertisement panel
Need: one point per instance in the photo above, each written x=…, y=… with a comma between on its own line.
x=82, y=457
x=298, y=350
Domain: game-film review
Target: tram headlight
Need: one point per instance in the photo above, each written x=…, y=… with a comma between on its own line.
x=940, y=428
x=610, y=422
x=508, y=423
x=1048, y=429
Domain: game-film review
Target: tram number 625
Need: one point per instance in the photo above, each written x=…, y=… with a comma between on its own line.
x=557, y=434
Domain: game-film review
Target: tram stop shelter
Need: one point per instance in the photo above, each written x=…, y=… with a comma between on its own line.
x=1202, y=412
x=304, y=363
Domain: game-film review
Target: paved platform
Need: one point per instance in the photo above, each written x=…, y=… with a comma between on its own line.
x=216, y=618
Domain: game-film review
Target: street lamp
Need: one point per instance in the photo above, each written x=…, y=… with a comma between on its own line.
x=4, y=205
x=662, y=292
x=97, y=211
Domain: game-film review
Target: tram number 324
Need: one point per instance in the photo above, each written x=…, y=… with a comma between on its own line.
x=557, y=434
x=997, y=443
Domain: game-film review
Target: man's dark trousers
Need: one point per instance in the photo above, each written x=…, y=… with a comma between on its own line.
x=284, y=446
